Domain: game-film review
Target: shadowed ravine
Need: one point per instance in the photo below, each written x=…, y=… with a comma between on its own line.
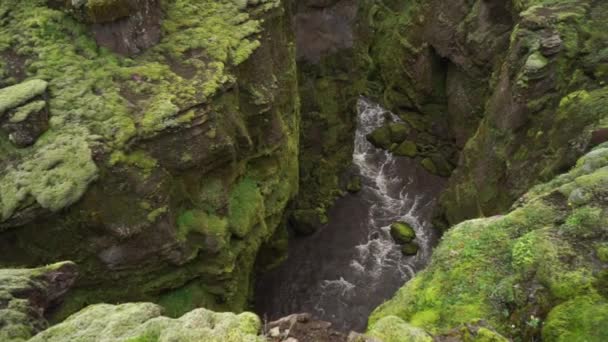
x=351, y=265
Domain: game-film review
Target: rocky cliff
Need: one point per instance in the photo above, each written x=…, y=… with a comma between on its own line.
x=538, y=96
x=154, y=144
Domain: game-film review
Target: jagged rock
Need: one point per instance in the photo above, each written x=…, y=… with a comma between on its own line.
x=25, y=295
x=402, y=232
x=143, y=321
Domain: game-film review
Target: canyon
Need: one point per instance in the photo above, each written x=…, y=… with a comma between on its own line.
x=315, y=170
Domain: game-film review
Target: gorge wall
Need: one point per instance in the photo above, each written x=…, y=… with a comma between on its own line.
x=163, y=171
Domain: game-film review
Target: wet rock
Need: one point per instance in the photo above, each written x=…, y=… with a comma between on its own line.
x=437, y=165
x=26, y=294
x=399, y=132
x=23, y=112
x=307, y=221
x=406, y=149
x=354, y=184
x=381, y=138
x=410, y=248
x=402, y=232
x=428, y=165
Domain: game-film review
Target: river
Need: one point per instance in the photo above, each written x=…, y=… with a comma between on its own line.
x=351, y=264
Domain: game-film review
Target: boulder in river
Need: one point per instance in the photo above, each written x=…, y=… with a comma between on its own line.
x=402, y=232
x=410, y=248
x=380, y=138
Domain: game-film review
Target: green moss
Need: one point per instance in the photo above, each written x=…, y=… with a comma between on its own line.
x=17, y=95
x=406, y=149
x=56, y=176
x=580, y=319
x=602, y=252
x=24, y=112
x=195, y=221
x=393, y=329
x=402, y=232
x=245, y=206
x=143, y=322
x=585, y=222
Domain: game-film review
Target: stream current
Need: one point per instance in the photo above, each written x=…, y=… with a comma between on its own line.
x=351, y=265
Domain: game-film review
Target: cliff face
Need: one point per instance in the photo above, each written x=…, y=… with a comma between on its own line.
x=534, y=76
x=161, y=173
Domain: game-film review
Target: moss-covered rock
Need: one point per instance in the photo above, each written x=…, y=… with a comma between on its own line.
x=410, y=248
x=399, y=132
x=165, y=171
x=25, y=296
x=544, y=91
x=394, y=329
x=135, y=322
x=402, y=232
x=381, y=138
x=406, y=149
x=19, y=94
x=533, y=272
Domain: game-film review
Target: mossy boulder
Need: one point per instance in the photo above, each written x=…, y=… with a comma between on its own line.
x=402, y=232
x=381, y=138
x=144, y=322
x=406, y=149
x=20, y=94
x=399, y=132
x=410, y=248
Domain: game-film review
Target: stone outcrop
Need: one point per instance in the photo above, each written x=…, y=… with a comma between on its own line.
x=26, y=294
x=165, y=172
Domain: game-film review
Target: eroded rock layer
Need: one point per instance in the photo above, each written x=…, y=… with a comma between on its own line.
x=161, y=174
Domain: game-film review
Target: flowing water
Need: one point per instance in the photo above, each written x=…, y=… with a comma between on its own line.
x=351, y=265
